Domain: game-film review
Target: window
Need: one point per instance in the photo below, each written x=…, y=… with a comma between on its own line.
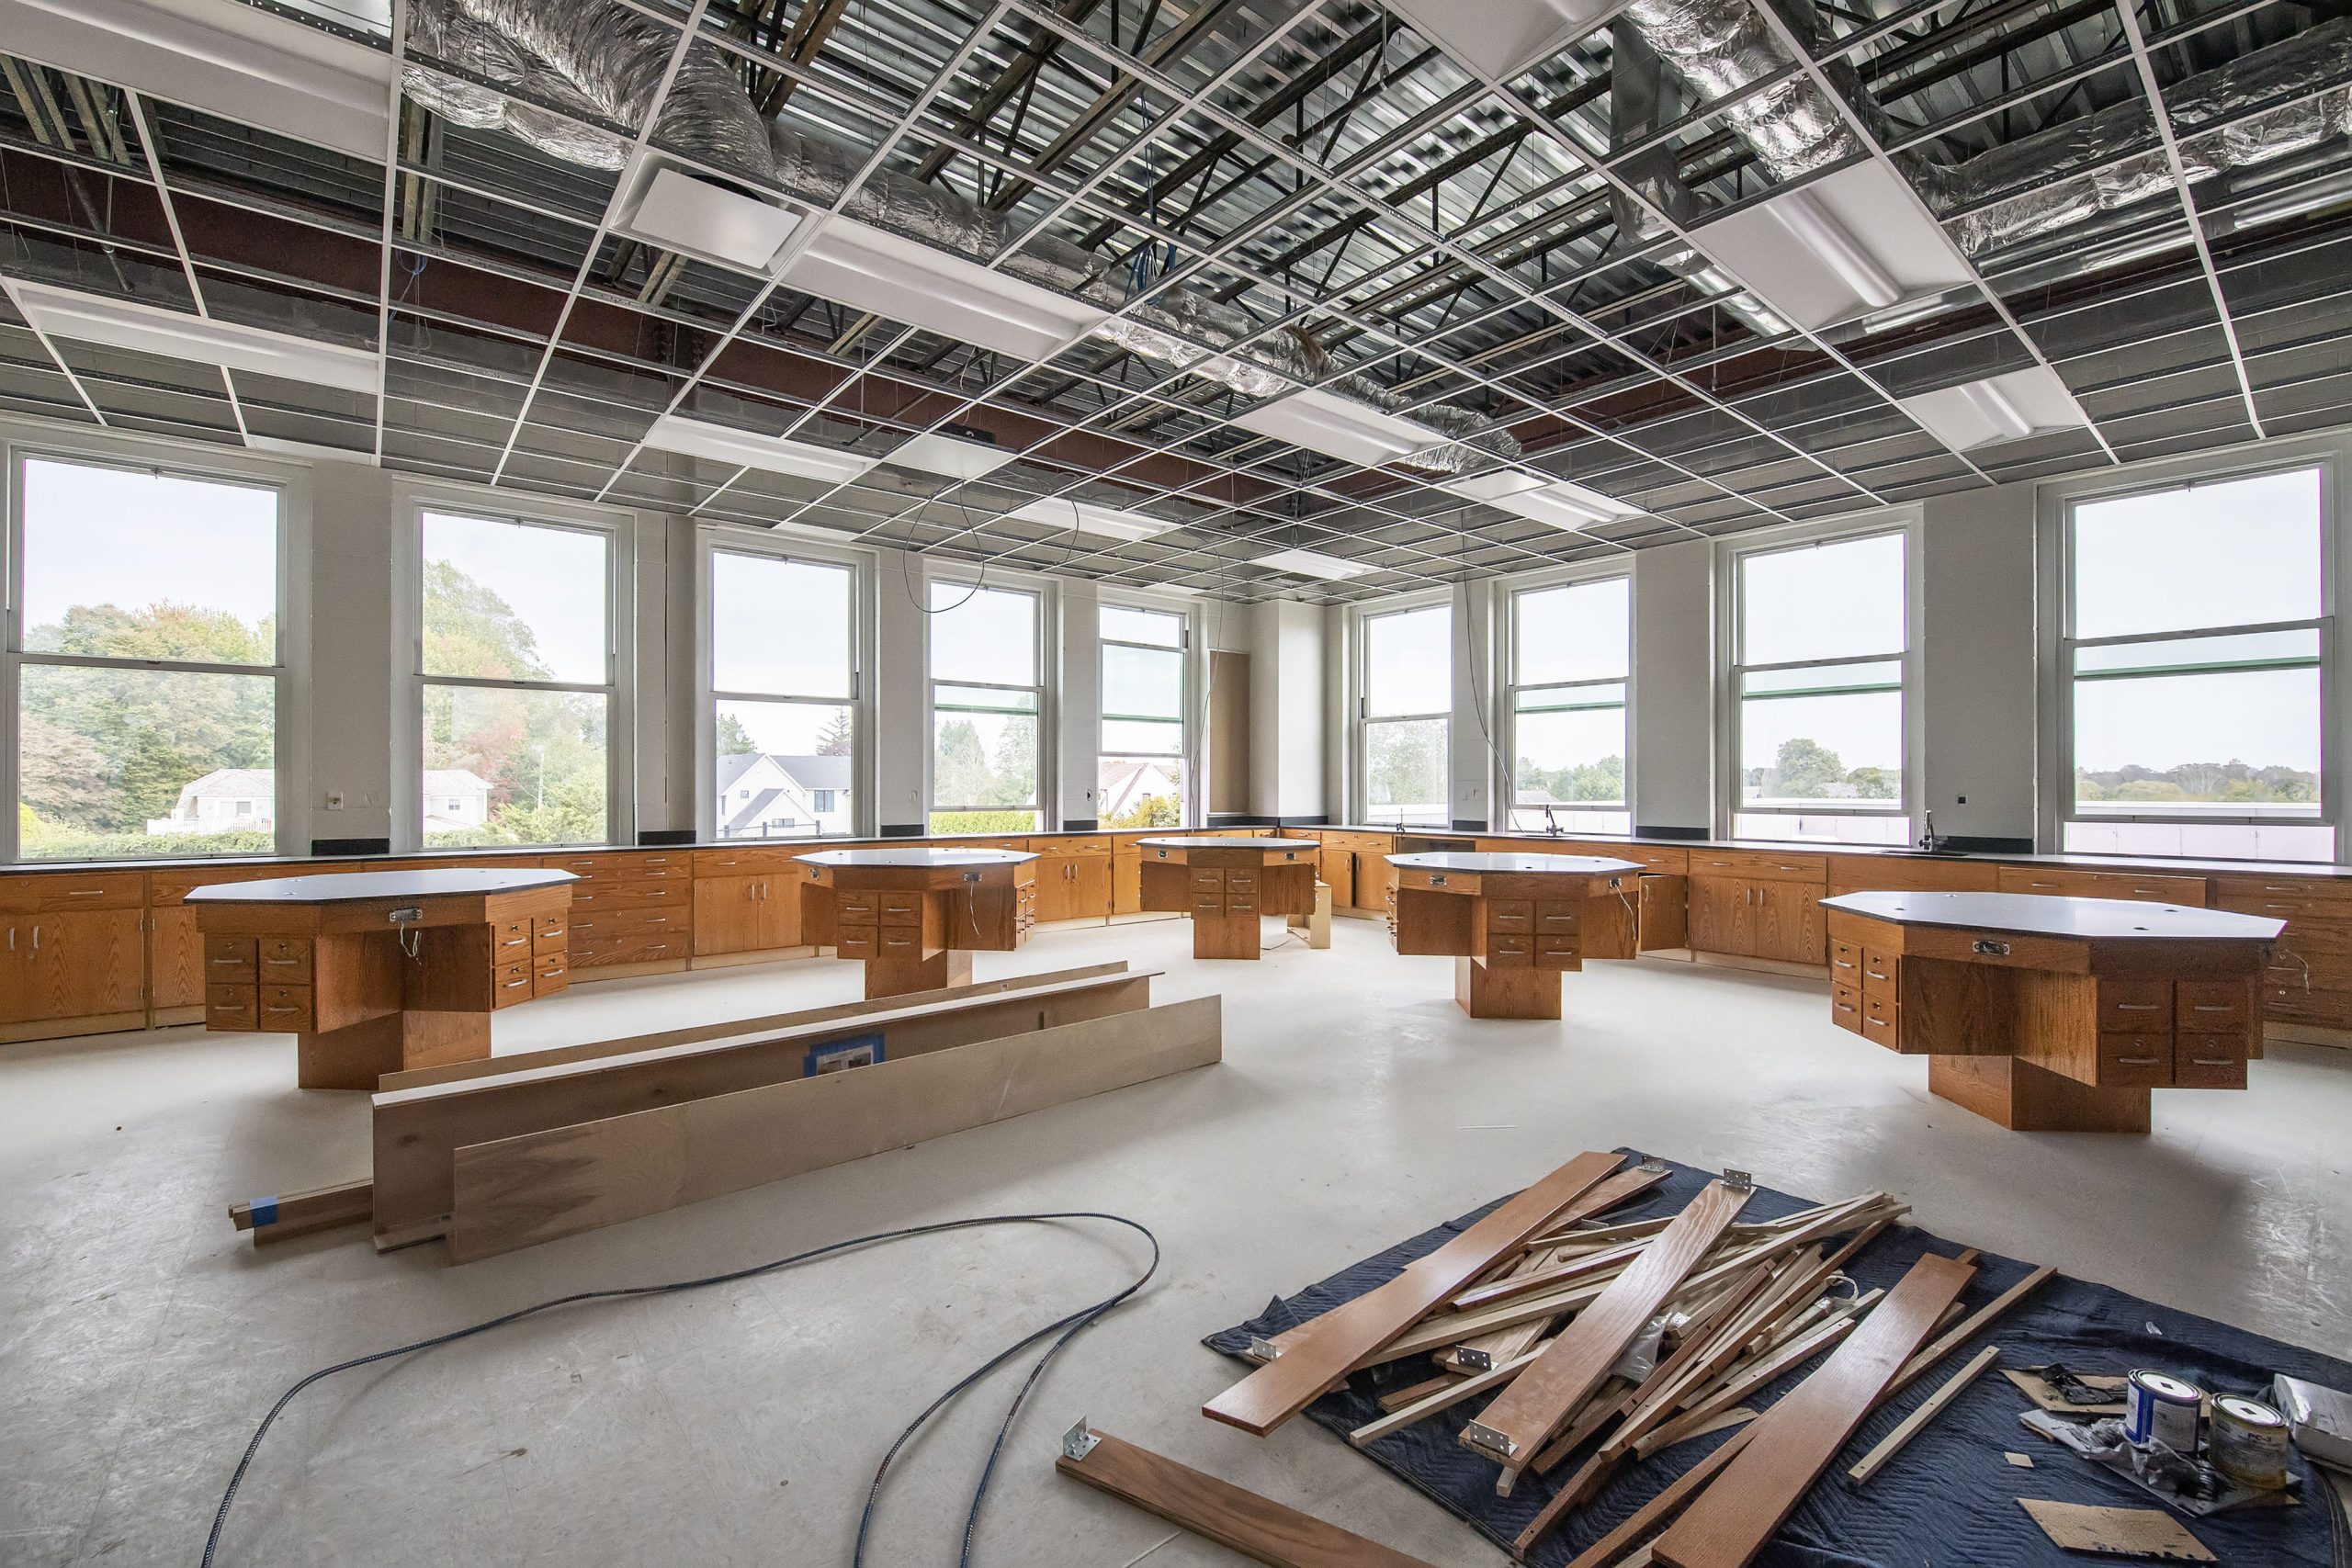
x=1571, y=649
x=784, y=684
x=147, y=664
x=1821, y=658
x=1141, y=771
x=2194, y=639
x=985, y=703
x=516, y=681
x=1407, y=706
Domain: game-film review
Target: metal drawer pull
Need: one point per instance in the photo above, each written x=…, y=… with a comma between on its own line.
x=2211, y=1007
x=512, y=984
x=85, y=892
x=230, y=960
x=1992, y=949
x=2137, y=1061
x=2138, y=1006
x=281, y=963
x=2213, y=1061
x=281, y=1010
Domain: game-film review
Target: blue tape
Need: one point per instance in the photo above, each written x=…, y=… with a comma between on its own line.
x=262, y=1212
x=838, y=1055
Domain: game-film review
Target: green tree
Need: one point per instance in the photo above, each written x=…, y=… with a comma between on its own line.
x=959, y=769
x=469, y=631
x=1151, y=811
x=1013, y=766
x=1405, y=765
x=1804, y=769
x=1873, y=784
x=840, y=735
x=733, y=740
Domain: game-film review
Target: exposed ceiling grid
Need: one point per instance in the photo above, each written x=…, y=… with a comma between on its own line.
x=1500, y=274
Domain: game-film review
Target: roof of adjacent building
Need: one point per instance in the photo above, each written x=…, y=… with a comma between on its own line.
x=809, y=773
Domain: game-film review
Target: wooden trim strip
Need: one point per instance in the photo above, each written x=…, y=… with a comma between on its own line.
x=291, y=1215
x=1916, y=1422
x=1318, y=1354
x=1973, y=1325
x=1727, y=1526
x=1665, y=1505
x=1239, y=1520
x=1550, y=1392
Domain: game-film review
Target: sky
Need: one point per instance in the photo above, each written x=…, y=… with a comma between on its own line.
x=988, y=635
x=1832, y=601
x=120, y=537
x=1409, y=661
x=553, y=578
x=1582, y=632
x=779, y=627
x=789, y=729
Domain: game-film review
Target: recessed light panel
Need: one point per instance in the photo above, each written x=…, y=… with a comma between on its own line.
x=1061, y=512
x=1339, y=427
x=679, y=213
x=870, y=269
x=948, y=458
x=748, y=448
x=1843, y=246
x=1309, y=563
x=174, y=334
x=2000, y=408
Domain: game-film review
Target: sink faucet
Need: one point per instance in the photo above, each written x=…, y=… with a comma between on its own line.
x=1551, y=823
x=1928, y=841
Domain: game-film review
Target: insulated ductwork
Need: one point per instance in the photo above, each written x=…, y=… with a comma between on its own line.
x=601, y=59
x=1723, y=47
x=2122, y=158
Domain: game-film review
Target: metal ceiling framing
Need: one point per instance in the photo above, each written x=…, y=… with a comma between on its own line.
x=1183, y=158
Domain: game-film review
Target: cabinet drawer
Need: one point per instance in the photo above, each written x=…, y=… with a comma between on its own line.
x=1757, y=867
x=2295, y=1003
x=1241, y=879
x=2048, y=882
x=1878, y=968
x=607, y=925
x=285, y=960
x=1846, y=963
x=230, y=959
x=1207, y=879
x=1510, y=951
x=230, y=1006
x=901, y=941
x=740, y=863
x=858, y=941
x=901, y=909
x=1883, y=1021
x=1209, y=903
x=1072, y=846
x=1510, y=915
x=858, y=908
x=2334, y=893
x=632, y=895
x=1558, y=953
x=2134, y=1006
x=2134, y=1061
x=2303, y=909
x=513, y=938
x=2208, y=1061
x=1846, y=1006
x=2188, y=890
x=1558, y=916
x=552, y=935
x=2213, y=1007
x=549, y=974
x=43, y=893
x=286, y=1009
x=513, y=982
x=1240, y=902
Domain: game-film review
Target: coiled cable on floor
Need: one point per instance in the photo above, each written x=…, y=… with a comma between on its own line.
x=1070, y=1327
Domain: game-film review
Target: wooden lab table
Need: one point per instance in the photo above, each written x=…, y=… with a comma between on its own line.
x=914, y=917
x=1227, y=885
x=2052, y=1014
x=379, y=972
x=1513, y=923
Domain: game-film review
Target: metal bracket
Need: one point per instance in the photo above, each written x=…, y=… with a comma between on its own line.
x=402, y=917
x=1616, y=885
x=1078, y=1442
x=1652, y=1164
x=1262, y=1349
x=1995, y=948
x=1476, y=1361
x=1496, y=1445
x=971, y=876
x=1739, y=1180
x=1437, y=879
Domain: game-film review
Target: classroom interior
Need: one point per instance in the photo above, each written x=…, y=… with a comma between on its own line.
x=1577, y=728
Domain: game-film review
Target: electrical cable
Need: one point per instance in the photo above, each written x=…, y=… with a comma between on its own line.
x=1072, y=1325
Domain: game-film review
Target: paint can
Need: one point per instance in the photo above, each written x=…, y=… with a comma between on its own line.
x=2248, y=1441
x=2160, y=1408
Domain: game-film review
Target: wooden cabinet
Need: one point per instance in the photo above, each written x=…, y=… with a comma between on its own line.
x=1769, y=918
x=1665, y=902
x=752, y=913
x=1073, y=886
x=72, y=964
x=1126, y=882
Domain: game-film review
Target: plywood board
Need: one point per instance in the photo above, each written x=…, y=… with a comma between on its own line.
x=2116, y=1532
x=518, y=1192
x=1228, y=732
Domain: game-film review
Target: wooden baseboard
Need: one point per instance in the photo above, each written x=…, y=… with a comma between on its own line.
x=737, y=959
x=1349, y=912
x=1671, y=954
x=581, y=977
x=2309, y=1035
x=518, y=1192
x=1764, y=965
x=172, y=1017
x=63, y=1028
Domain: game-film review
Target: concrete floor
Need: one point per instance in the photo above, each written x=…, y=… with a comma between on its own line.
x=141, y=1338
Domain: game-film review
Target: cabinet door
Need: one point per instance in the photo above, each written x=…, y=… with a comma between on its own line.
x=1371, y=892
x=1055, y=898
x=726, y=914
x=77, y=966
x=1788, y=922
x=1664, y=906
x=1126, y=883
x=1090, y=888
x=175, y=957
x=776, y=901
x=1338, y=871
x=1718, y=912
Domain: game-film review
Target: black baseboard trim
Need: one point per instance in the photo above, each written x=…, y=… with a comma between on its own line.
x=1322, y=821
x=338, y=847
x=1470, y=825
x=1982, y=846
x=1082, y=825
x=1643, y=831
x=651, y=837
x=899, y=830
x=1241, y=819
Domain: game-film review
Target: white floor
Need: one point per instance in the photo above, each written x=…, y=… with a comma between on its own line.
x=141, y=1338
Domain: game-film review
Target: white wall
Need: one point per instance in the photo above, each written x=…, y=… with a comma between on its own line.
x=1673, y=689
x=356, y=682
x=901, y=745
x=1287, y=708
x=1078, y=728
x=1976, y=661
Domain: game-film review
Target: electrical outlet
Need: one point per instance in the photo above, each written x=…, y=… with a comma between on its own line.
x=334, y=800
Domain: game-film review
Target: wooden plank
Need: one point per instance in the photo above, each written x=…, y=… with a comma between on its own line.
x=1973, y=1325
x=1519, y=1421
x=600, y=1049
x=518, y=1192
x=1916, y=1422
x=2116, y=1532
x=1258, y=1527
x=1678, y=1493
x=416, y=1131
x=288, y=1215
x=1799, y=1436
x=1318, y=1354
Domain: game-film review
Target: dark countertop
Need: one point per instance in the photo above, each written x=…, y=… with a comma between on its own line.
x=366, y=886
x=1210, y=842
x=919, y=858
x=1521, y=864
x=2038, y=914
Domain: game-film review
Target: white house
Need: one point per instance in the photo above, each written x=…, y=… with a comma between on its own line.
x=1125, y=783
x=226, y=800
x=765, y=795
x=454, y=798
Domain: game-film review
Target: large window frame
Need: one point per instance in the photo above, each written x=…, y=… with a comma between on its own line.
x=1361, y=720
x=617, y=688
x=713, y=540
x=1044, y=618
x=1895, y=819
x=1191, y=810
x=1583, y=694
x=2059, y=502
x=290, y=729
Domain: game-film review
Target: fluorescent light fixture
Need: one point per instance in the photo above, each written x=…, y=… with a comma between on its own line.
x=1843, y=246
x=1556, y=501
x=1308, y=563
x=748, y=448
x=1061, y=512
x=867, y=268
x=1500, y=36
x=174, y=334
x=1999, y=407
x=679, y=213
x=1339, y=427
x=2332, y=192
x=235, y=60
x=309, y=451
x=950, y=458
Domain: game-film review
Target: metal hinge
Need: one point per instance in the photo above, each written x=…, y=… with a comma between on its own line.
x=1476, y=1361
x=1262, y=1349
x=1078, y=1442
x=1480, y=1435
x=1739, y=1180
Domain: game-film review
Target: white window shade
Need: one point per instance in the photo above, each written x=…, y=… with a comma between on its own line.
x=2000, y=408
x=748, y=448
x=1840, y=247
x=867, y=268
x=174, y=334
x=1339, y=427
